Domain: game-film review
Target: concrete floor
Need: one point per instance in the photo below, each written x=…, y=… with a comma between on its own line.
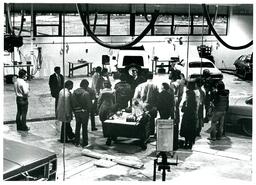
x=228, y=160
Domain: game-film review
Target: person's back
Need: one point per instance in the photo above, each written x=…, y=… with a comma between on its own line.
x=106, y=102
x=221, y=100
x=81, y=100
x=123, y=93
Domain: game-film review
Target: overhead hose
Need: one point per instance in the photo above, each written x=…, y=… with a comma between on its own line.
x=205, y=11
x=96, y=39
x=21, y=22
x=9, y=18
x=10, y=22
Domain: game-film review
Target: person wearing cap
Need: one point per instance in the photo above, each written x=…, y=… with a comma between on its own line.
x=21, y=88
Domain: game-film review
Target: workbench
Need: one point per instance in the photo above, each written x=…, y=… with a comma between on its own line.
x=77, y=65
x=113, y=128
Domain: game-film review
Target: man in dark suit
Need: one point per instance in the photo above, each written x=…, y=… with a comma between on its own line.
x=56, y=83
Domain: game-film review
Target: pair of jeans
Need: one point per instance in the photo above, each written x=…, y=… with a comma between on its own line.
x=81, y=120
x=66, y=130
x=217, y=124
x=21, y=116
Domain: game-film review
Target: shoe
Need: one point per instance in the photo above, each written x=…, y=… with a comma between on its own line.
x=77, y=144
x=61, y=141
x=24, y=129
x=94, y=129
x=211, y=139
x=85, y=145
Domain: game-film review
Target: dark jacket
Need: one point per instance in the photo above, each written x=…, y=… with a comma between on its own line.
x=165, y=104
x=80, y=100
x=190, y=116
x=54, y=85
x=221, y=100
x=123, y=94
x=106, y=104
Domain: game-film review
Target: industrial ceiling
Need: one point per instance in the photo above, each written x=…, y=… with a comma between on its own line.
x=239, y=9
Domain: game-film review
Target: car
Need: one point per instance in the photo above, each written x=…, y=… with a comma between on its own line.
x=239, y=114
x=194, y=68
x=23, y=162
x=244, y=66
x=131, y=58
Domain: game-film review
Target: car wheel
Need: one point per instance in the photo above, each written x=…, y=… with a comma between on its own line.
x=131, y=67
x=247, y=127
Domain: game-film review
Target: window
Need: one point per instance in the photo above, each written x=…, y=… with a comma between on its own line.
x=200, y=25
x=101, y=27
x=119, y=24
x=220, y=25
x=16, y=23
x=48, y=24
x=133, y=59
x=163, y=25
x=182, y=25
x=141, y=23
x=73, y=25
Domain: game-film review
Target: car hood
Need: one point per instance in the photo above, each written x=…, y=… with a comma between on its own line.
x=237, y=105
x=200, y=70
x=20, y=157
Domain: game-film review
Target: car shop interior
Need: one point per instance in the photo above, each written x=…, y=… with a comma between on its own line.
x=60, y=60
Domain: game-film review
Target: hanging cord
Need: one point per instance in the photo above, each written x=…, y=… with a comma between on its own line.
x=145, y=13
x=205, y=11
x=188, y=39
x=202, y=43
x=96, y=39
x=215, y=15
x=21, y=23
x=65, y=125
x=95, y=22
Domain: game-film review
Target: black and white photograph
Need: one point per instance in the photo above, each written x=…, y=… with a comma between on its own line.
x=138, y=91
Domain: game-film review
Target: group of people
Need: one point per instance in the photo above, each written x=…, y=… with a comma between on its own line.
x=80, y=103
x=205, y=99
x=211, y=95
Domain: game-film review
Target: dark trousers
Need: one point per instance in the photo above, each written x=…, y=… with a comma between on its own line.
x=153, y=114
x=65, y=126
x=81, y=120
x=56, y=104
x=92, y=115
x=21, y=116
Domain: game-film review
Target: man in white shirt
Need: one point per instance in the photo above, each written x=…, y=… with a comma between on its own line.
x=21, y=88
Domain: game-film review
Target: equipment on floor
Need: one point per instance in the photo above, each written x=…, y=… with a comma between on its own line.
x=164, y=146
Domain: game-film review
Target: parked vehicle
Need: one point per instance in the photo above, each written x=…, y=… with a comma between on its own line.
x=244, y=66
x=239, y=115
x=194, y=68
x=134, y=57
x=23, y=162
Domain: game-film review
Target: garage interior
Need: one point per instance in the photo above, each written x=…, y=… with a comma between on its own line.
x=54, y=34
